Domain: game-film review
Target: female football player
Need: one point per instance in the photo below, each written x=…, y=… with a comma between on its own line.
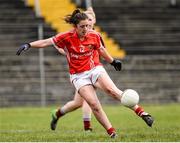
x=78, y=101
x=86, y=72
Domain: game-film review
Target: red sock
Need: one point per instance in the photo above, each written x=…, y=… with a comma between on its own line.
x=59, y=113
x=111, y=130
x=139, y=111
x=87, y=125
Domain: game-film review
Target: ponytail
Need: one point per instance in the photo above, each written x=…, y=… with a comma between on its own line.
x=75, y=17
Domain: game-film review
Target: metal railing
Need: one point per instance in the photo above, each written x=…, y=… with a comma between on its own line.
x=41, y=54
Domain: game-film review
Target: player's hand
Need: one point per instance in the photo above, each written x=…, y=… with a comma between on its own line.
x=23, y=47
x=117, y=64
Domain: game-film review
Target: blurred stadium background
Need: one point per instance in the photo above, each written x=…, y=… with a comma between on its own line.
x=144, y=34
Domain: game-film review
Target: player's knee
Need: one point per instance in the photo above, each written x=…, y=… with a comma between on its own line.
x=109, y=90
x=95, y=106
x=112, y=92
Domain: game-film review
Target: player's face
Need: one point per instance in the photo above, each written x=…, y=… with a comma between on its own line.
x=82, y=28
x=91, y=21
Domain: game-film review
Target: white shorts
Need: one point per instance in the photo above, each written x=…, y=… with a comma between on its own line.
x=86, y=78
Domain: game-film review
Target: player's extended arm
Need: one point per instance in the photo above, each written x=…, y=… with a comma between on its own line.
x=114, y=62
x=36, y=44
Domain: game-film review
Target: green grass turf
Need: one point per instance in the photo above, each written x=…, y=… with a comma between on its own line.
x=29, y=124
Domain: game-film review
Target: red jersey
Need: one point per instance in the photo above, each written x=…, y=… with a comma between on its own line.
x=82, y=55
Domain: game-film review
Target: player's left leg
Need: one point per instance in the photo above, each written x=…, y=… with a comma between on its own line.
x=68, y=107
x=86, y=110
x=106, y=84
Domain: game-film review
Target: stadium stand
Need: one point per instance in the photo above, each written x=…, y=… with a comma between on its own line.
x=141, y=26
x=19, y=76
x=147, y=30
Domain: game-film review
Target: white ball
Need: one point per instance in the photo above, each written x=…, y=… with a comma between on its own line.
x=130, y=98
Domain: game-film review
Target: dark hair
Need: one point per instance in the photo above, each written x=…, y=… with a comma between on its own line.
x=75, y=17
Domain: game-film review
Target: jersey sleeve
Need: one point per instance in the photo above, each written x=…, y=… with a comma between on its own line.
x=58, y=41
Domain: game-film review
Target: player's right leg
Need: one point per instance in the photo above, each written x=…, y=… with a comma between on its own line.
x=68, y=107
x=144, y=115
x=89, y=95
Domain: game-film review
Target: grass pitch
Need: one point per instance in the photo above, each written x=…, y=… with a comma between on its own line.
x=32, y=125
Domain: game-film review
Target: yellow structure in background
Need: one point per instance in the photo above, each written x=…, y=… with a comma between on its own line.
x=54, y=11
